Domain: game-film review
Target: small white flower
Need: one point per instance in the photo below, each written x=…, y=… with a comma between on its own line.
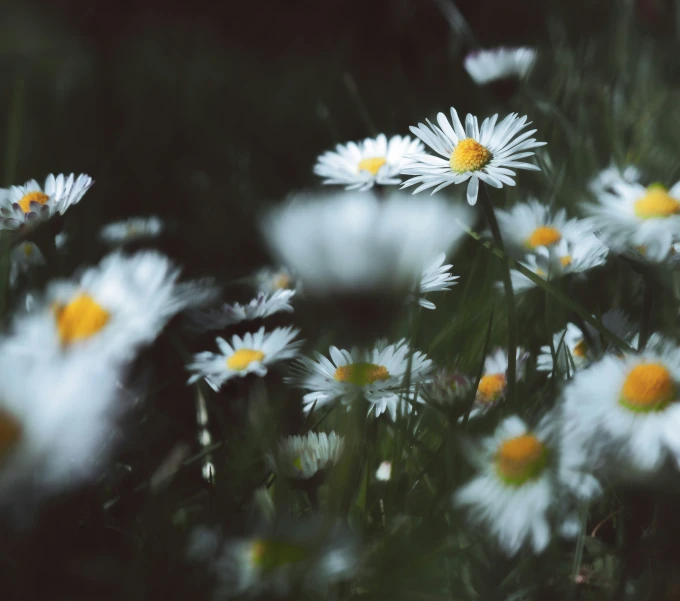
x=31, y=203
x=376, y=375
x=486, y=66
x=304, y=456
x=493, y=383
x=384, y=471
x=605, y=180
x=131, y=230
x=373, y=161
x=251, y=354
x=270, y=280
x=352, y=242
x=24, y=257
x=436, y=278
x=471, y=153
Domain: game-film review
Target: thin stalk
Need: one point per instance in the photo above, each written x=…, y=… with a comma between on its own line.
x=509, y=296
x=647, y=303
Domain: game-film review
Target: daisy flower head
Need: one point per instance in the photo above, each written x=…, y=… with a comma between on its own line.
x=32, y=203
x=376, y=375
x=486, y=66
x=23, y=258
x=471, y=153
x=373, y=161
x=493, y=383
x=627, y=406
x=130, y=230
x=252, y=354
x=446, y=387
x=357, y=244
x=436, y=278
x=269, y=280
x=302, y=457
x=607, y=178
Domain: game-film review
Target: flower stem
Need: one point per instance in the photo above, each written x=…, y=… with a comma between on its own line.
x=509, y=295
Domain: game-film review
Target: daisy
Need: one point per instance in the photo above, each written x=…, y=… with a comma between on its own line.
x=251, y=354
x=486, y=66
x=520, y=482
x=384, y=472
x=23, y=258
x=493, y=383
x=376, y=375
x=355, y=243
x=263, y=305
x=605, y=179
x=131, y=230
x=31, y=203
x=446, y=387
x=270, y=280
x=630, y=216
x=113, y=308
x=373, y=161
x=436, y=278
x=471, y=153
x=305, y=456
x=628, y=406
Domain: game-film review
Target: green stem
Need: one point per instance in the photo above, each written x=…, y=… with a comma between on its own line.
x=509, y=296
x=647, y=302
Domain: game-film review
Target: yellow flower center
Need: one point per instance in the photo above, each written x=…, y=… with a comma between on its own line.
x=243, y=357
x=28, y=249
x=469, y=155
x=580, y=350
x=648, y=387
x=27, y=199
x=641, y=248
x=656, y=203
x=372, y=165
x=270, y=554
x=543, y=236
x=79, y=319
x=10, y=434
x=491, y=387
x=566, y=260
x=521, y=459
x=297, y=463
x=281, y=281
x=361, y=374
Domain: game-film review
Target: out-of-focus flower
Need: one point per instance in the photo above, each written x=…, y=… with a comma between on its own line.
x=24, y=257
x=251, y=354
x=436, y=278
x=376, y=375
x=384, y=471
x=471, y=153
x=131, y=230
x=446, y=387
x=270, y=280
x=493, y=383
x=486, y=66
x=605, y=179
x=373, y=161
x=305, y=456
x=31, y=203
x=354, y=243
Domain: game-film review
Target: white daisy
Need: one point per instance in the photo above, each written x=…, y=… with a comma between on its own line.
x=304, y=456
x=630, y=216
x=486, y=66
x=263, y=305
x=270, y=280
x=356, y=243
x=251, y=354
x=493, y=383
x=131, y=230
x=113, y=308
x=628, y=406
x=436, y=278
x=373, y=161
x=376, y=375
x=23, y=258
x=446, y=387
x=521, y=481
x=32, y=203
x=606, y=178
x=384, y=471
x=471, y=153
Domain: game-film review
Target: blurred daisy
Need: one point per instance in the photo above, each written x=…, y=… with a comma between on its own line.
x=373, y=161
x=485, y=66
x=384, y=472
x=118, y=306
x=263, y=305
x=355, y=243
x=628, y=406
x=251, y=354
x=23, y=258
x=471, y=153
x=131, y=230
x=269, y=280
x=32, y=203
x=631, y=216
x=493, y=383
x=376, y=375
x=446, y=387
x=304, y=456
x=605, y=180
x=436, y=278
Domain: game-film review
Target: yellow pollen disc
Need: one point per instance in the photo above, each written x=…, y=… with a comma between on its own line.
x=361, y=374
x=28, y=249
x=243, y=357
x=642, y=249
x=371, y=165
x=580, y=350
x=10, y=434
x=541, y=272
x=566, y=260
x=281, y=281
x=648, y=387
x=656, y=203
x=543, y=236
x=469, y=155
x=79, y=319
x=297, y=463
x=491, y=387
x=27, y=199
x=520, y=459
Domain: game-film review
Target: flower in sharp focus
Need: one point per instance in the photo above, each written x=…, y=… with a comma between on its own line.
x=436, y=278
x=305, y=456
x=355, y=243
x=31, y=203
x=493, y=383
x=252, y=354
x=270, y=280
x=373, y=161
x=376, y=375
x=23, y=258
x=486, y=66
x=131, y=230
x=473, y=153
